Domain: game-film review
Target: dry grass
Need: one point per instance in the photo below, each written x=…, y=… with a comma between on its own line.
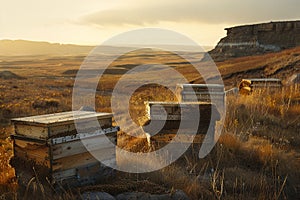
x=257, y=156
x=280, y=65
x=264, y=129
x=8, y=183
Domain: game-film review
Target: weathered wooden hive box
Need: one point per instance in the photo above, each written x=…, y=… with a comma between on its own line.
x=51, y=145
x=265, y=82
x=200, y=92
x=193, y=132
x=246, y=86
x=170, y=113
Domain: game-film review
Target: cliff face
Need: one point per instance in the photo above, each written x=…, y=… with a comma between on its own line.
x=257, y=39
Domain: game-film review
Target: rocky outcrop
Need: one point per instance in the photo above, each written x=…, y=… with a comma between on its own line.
x=257, y=39
x=9, y=75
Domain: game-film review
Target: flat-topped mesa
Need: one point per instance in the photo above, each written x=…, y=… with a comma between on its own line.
x=257, y=39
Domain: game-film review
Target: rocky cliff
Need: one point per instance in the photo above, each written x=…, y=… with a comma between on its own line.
x=257, y=39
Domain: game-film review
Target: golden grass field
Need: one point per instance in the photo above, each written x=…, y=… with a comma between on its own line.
x=256, y=157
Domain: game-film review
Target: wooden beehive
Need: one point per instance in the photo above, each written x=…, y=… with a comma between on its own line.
x=200, y=93
x=246, y=86
x=171, y=113
x=52, y=146
x=265, y=82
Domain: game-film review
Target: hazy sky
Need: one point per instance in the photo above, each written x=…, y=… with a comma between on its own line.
x=94, y=21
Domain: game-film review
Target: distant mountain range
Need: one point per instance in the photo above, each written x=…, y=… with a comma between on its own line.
x=26, y=48
x=23, y=48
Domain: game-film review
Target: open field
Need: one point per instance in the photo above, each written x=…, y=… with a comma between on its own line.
x=256, y=157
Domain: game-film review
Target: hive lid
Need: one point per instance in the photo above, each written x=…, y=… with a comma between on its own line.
x=58, y=118
x=264, y=79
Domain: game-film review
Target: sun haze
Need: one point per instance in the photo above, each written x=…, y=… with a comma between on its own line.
x=93, y=21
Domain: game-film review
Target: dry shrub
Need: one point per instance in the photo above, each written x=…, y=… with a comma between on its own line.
x=5, y=114
x=262, y=147
x=45, y=103
x=8, y=184
x=244, y=182
x=230, y=142
x=6, y=172
x=265, y=127
x=176, y=177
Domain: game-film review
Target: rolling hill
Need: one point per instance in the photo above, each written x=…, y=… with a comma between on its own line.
x=24, y=47
x=283, y=65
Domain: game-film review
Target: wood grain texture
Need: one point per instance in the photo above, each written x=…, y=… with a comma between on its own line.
x=32, y=151
x=83, y=159
x=60, y=124
x=80, y=146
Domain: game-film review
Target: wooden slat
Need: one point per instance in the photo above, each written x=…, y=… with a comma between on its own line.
x=63, y=116
x=203, y=97
x=173, y=126
x=87, y=174
x=28, y=138
x=79, y=146
x=31, y=151
x=156, y=109
x=274, y=80
x=200, y=92
x=82, y=118
x=266, y=85
x=69, y=173
x=200, y=87
x=86, y=126
x=40, y=119
x=32, y=131
x=60, y=118
x=83, y=159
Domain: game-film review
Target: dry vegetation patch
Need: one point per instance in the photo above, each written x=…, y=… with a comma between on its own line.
x=257, y=156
